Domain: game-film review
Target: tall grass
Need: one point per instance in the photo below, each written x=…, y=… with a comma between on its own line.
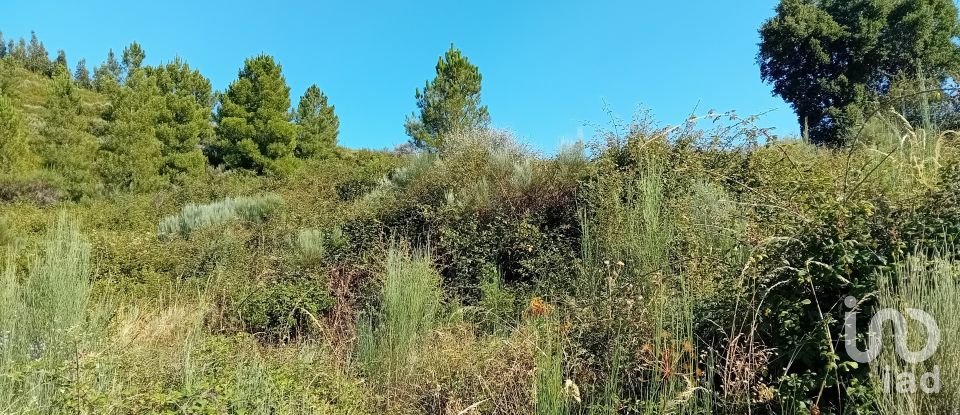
x=629, y=282
x=550, y=394
x=635, y=225
x=673, y=374
x=313, y=245
x=409, y=301
x=193, y=216
x=44, y=322
x=930, y=283
x=900, y=157
x=717, y=221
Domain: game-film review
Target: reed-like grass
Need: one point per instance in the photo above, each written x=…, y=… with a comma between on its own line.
x=930, y=283
x=44, y=322
x=551, y=396
x=898, y=158
x=410, y=299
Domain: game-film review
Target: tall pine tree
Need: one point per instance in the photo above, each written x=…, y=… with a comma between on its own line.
x=18, y=51
x=448, y=103
x=60, y=64
x=82, y=75
x=67, y=148
x=183, y=121
x=130, y=158
x=319, y=125
x=133, y=56
x=107, y=77
x=253, y=122
x=38, y=60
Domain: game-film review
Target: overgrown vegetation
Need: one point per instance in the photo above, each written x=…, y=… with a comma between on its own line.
x=172, y=249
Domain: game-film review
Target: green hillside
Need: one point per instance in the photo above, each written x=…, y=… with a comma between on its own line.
x=31, y=91
x=172, y=249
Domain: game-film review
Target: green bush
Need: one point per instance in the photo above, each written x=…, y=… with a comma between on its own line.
x=285, y=308
x=39, y=190
x=193, y=217
x=231, y=374
x=354, y=189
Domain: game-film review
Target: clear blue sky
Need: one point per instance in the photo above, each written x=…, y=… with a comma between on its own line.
x=549, y=67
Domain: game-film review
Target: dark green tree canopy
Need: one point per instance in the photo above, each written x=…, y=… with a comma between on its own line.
x=833, y=59
x=68, y=149
x=253, y=122
x=183, y=119
x=448, y=103
x=319, y=125
x=60, y=64
x=130, y=156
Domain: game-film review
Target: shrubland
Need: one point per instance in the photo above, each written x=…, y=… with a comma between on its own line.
x=172, y=250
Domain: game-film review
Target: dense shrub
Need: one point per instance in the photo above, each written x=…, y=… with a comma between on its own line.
x=936, y=221
x=314, y=246
x=284, y=308
x=350, y=190
x=485, y=200
x=656, y=270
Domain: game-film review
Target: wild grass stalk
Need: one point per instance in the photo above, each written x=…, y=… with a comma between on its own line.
x=627, y=261
x=673, y=373
x=410, y=298
x=44, y=322
x=900, y=157
x=930, y=283
x=550, y=394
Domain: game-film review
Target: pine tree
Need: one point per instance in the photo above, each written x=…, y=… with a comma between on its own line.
x=3, y=46
x=38, y=60
x=107, y=77
x=319, y=125
x=60, y=64
x=82, y=75
x=19, y=51
x=448, y=103
x=16, y=156
x=183, y=121
x=68, y=149
x=133, y=57
x=253, y=122
x=130, y=157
